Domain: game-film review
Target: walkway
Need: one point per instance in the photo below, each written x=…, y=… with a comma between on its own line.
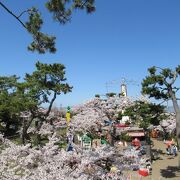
x=166, y=167
x=163, y=168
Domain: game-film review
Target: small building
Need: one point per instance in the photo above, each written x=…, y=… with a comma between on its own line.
x=86, y=142
x=136, y=132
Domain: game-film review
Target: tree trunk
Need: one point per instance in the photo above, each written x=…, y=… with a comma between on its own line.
x=51, y=103
x=38, y=127
x=24, y=134
x=7, y=133
x=178, y=133
x=177, y=111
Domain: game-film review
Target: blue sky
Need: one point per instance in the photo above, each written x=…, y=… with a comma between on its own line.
x=121, y=39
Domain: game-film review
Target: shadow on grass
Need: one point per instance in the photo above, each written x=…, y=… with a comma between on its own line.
x=170, y=172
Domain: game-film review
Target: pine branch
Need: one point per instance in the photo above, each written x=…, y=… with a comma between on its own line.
x=83, y=4
x=176, y=89
x=10, y=12
x=162, y=102
x=24, y=12
x=157, y=67
x=174, y=78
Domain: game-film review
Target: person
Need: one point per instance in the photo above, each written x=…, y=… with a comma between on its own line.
x=136, y=142
x=70, y=138
x=70, y=147
x=174, y=150
x=168, y=149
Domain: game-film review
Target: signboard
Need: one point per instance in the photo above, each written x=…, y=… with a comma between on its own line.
x=86, y=142
x=136, y=134
x=68, y=117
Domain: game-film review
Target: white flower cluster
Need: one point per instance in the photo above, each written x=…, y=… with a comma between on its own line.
x=51, y=163
x=46, y=129
x=47, y=163
x=97, y=110
x=170, y=123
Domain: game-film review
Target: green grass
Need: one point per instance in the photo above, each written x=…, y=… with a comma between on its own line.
x=17, y=140
x=62, y=144
x=61, y=132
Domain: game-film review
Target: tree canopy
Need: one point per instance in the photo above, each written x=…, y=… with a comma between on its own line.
x=9, y=105
x=42, y=86
x=161, y=85
x=145, y=113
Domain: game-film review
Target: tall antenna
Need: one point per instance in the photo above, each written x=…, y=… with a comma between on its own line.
x=123, y=82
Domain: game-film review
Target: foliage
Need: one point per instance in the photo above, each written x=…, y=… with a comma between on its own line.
x=125, y=137
x=42, y=86
x=47, y=80
x=16, y=140
x=119, y=115
x=61, y=11
x=111, y=94
x=97, y=95
x=144, y=113
x=10, y=104
x=161, y=84
x=121, y=94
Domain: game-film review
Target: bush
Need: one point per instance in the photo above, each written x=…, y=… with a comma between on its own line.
x=125, y=137
x=110, y=94
x=97, y=95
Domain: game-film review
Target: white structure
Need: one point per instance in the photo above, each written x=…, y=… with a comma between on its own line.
x=124, y=90
x=125, y=119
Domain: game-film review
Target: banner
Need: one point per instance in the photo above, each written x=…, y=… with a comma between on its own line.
x=68, y=116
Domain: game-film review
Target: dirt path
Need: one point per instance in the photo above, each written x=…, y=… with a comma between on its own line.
x=166, y=166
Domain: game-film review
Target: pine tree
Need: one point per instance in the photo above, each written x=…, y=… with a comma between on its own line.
x=161, y=84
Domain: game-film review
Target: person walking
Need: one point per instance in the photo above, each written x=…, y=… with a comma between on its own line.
x=168, y=149
x=174, y=150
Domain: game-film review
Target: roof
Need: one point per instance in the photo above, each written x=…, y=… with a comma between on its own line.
x=135, y=129
x=121, y=125
x=135, y=134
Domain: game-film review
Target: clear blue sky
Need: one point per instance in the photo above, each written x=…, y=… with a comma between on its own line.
x=121, y=39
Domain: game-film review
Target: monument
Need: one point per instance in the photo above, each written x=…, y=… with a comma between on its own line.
x=124, y=90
